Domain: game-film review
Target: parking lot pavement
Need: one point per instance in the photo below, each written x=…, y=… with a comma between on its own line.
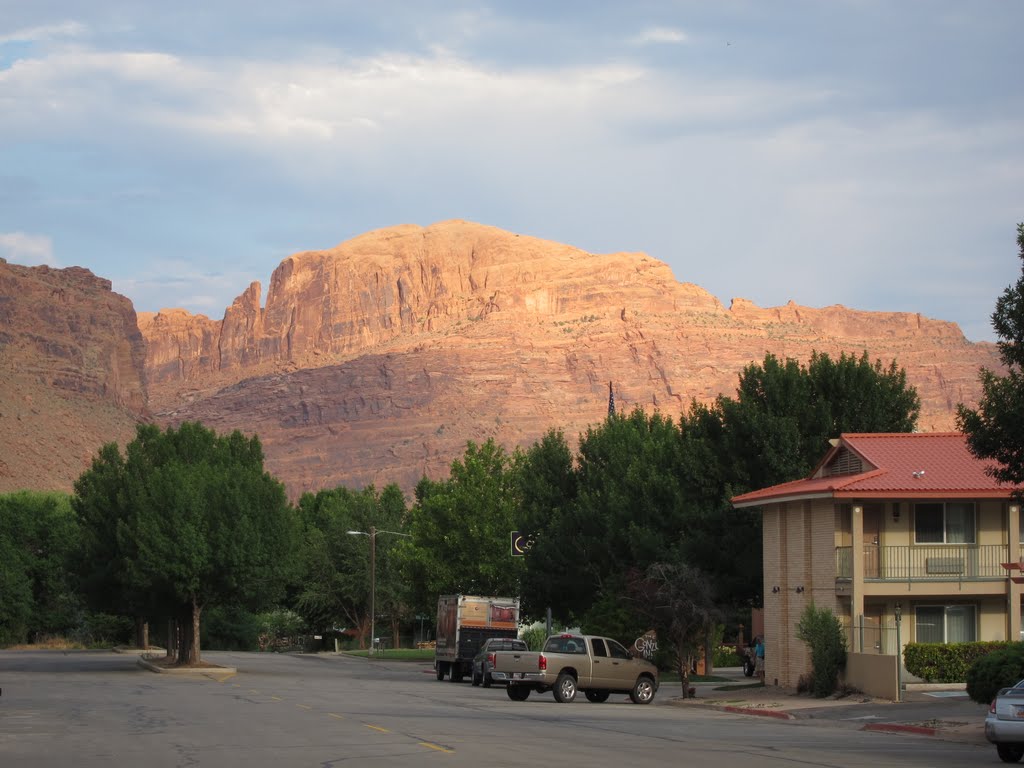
x=947, y=714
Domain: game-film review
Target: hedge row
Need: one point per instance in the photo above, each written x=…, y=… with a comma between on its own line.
x=946, y=663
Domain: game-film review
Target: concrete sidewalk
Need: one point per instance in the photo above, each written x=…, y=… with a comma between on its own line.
x=943, y=713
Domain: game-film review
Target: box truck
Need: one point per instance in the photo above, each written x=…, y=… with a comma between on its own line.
x=463, y=623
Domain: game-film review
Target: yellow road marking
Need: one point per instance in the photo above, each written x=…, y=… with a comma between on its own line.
x=377, y=728
x=340, y=717
x=277, y=698
x=438, y=747
x=303, y=706
x=225, y=678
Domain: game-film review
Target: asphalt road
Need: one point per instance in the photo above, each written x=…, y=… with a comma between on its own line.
x=101, y=709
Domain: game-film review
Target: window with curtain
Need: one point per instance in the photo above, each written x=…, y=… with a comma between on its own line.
x=946, y=623
x=944, y=523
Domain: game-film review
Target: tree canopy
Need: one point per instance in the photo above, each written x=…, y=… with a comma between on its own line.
x=38, y=538
x=334, y=590
x=995, y=429
x=461, y=529
x=189, y=519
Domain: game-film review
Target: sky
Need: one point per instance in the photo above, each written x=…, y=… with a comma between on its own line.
x=853, y=152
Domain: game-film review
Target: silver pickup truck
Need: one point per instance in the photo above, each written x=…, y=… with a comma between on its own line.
x=598, y=666
x=1004, y=725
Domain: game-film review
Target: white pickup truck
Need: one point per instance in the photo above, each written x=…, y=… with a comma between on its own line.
x=598, y=666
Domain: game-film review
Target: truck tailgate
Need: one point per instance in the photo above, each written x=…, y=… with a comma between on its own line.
x=517, y=665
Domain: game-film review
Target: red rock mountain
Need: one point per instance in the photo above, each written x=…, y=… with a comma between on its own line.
x=71, y=374
x=375, y=361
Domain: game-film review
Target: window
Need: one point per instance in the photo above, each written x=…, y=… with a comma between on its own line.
x=944, y=523
x=946, y=623
x=598, y=646
x=617, y=651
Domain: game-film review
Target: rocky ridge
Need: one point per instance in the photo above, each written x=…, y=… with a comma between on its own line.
x=375, y=361
x=72, y=374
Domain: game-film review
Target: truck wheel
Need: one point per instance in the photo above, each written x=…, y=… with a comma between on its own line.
x=518, y=692
x=597, y=696
x=1010, y=753
x=643, y=691
x=488, y=679
x=565, y=688
x=442, y=668
x=456, y=673
x=476, y=678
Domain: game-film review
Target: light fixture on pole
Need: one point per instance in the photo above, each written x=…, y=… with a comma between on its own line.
x=373, y=576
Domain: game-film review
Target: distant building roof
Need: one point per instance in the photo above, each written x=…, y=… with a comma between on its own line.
x=887, y=465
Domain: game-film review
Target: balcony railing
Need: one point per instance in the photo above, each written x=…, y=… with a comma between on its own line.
x=945, y=562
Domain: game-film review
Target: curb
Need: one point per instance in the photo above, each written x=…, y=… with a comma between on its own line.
x=777, y=714
x=187, y=670
x=922, y=730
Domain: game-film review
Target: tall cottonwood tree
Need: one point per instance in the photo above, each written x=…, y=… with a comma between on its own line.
x=461, y=529
x=196, y=522
x=334, y=589
x=995, y=429
x=38, y=539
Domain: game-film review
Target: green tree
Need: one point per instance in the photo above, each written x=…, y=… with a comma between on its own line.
x=461, y=529
x=995, y=429
x=679, y=603
x=197, y=523
x=547, y=488
x=619, y=506
x=38, y=536
x=820, y=630
x=775, y=430
x=335, y=587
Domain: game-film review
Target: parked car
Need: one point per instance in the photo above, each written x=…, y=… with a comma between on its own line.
x=1004, y=724
x=483, y=662
x=598, y=666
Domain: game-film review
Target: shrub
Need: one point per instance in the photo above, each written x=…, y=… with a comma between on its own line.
x=821, y=631
x=999, y=669
x=946, y=663
x=726, y=656
x=534, y=636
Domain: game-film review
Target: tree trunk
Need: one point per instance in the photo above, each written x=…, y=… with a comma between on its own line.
x=683, y=661
x=172, y=639
x=141, y=633
x=188, y=654
x=394, y=633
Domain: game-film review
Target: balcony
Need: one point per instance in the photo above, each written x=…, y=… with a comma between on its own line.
x=945, y=562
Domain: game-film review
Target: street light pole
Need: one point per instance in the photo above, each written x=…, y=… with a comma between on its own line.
x=373, y=590
x=373, y=576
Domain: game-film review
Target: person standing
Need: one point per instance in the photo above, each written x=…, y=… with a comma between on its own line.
x=759, y=658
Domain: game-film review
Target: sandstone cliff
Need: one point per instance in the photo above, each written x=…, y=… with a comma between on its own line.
x=72, y=375
x=375, y=361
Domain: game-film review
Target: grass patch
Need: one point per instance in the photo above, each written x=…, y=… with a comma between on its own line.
x=673, y=677
x=396, y=654
x=739, y=687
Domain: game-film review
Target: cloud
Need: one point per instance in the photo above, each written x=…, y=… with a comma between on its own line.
x=47, y=32
x=30, y=250
x=660, y=35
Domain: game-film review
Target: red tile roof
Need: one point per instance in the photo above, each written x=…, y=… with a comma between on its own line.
x=897, y=465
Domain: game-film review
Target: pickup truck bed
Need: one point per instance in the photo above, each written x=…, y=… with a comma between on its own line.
x=598, y=666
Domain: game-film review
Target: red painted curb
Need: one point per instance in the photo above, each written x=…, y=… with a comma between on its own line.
x=760, y=712
x=898, y=728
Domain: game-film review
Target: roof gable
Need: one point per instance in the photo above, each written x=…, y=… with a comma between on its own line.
x=902, y=465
